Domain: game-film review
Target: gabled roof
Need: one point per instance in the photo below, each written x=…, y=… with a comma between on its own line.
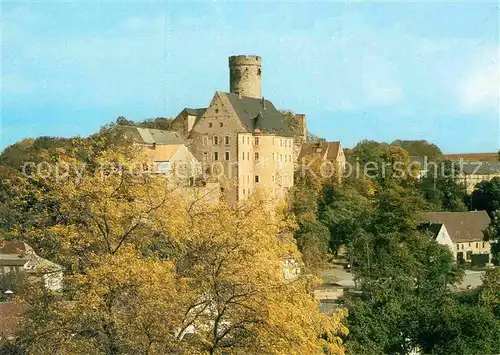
x=328, y=150
x=461, y=226
x=150, y=135
x=259, y=115
x=164, y=153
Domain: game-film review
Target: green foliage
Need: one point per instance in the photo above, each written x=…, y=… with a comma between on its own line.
x=486, y=196
x=419, y=148
x=492, y=234
x=442, y=190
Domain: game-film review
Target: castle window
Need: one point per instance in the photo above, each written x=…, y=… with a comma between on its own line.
x=274, y=178
x=205, y=140
x=216, y=140
x=281, y=143
x=226, y=155
x=243, y=191
x=257, y=156
x=483, y=244
x=281, y=157
x=243, y=156
x=248, y=155
x=227, y=140
x=248, y=140
x=477, y=245
x=257, y=178
x=248, y=179
x=221, y=124
x=205, y=156
x=216, y=110
x=210, y=124
x=273, y=156
x=216, y=155
x=243, y=140
x=257, y=140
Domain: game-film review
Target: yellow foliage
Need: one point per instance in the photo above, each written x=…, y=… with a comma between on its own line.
x=150, y=273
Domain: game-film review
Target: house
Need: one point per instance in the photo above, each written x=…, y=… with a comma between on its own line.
x=330, y=153
x=19, y=259
x=167, y=153
x=440, y=235
x=242, y=138
x=473, y=172
x=465, y=230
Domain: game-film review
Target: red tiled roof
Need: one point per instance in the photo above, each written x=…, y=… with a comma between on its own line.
x=328, y=150
x=471, y=156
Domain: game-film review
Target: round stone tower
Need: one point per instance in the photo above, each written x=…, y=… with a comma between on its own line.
x=245, y=75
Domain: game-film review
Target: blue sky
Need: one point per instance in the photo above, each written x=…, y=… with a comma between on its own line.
x=359, y=70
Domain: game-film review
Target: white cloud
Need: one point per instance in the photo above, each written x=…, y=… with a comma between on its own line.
x=480, y=87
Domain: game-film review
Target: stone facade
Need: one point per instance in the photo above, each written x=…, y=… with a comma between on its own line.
x=245, y=73
x=242, y=139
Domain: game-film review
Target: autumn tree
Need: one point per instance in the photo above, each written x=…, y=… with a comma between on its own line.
x=148, y=271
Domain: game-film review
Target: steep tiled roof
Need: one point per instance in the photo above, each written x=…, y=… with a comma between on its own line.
x=259, y=115
x=329, y=150
x=462, y=226
x=150, y=135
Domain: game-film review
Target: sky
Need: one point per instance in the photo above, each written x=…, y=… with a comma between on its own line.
x=358, y=70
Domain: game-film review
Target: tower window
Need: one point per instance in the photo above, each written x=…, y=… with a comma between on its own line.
x=257, y=156
x=257, y=178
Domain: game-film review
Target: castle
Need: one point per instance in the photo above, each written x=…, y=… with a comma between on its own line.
x=242, y=138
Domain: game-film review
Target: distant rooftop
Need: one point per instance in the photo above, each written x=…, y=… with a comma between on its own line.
x=150, y=135
x=471, y=156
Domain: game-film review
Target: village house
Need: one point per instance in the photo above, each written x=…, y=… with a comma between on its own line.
x=18, y=259
x=330, y=154
x=242, y=138
x=465, y=229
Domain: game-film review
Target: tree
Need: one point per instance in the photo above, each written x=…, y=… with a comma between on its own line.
x=486, y=196
x=441, y=188
x=492, y=234
x=150, y=272
x=419, y=148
